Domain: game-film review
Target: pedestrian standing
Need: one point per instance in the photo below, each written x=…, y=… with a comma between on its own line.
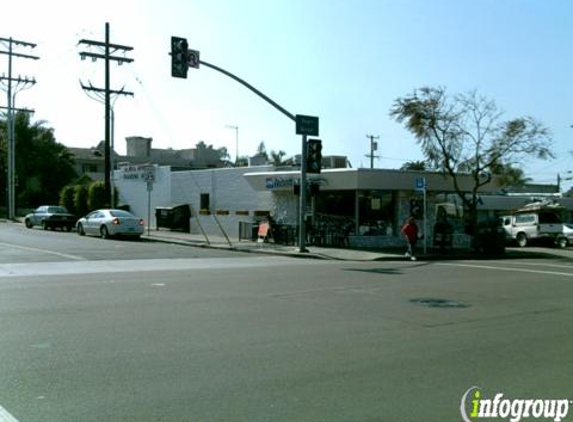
x=410, y=233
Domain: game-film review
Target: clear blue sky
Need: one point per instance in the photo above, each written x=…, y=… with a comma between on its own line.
x=344, y=61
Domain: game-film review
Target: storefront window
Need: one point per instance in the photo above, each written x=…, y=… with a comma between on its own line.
x=377, y=213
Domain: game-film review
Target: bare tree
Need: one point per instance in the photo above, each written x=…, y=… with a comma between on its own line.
x=465, y=134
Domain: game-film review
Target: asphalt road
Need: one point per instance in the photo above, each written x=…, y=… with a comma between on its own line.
x=94, y=330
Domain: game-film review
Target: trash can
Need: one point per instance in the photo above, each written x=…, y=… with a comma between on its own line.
x=173, y=218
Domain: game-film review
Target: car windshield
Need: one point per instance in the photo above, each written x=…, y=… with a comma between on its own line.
x=121, y=213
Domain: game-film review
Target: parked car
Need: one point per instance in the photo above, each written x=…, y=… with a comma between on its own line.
x=50, y=217
x=567, y=238
x=533, y=225
x=111, y=222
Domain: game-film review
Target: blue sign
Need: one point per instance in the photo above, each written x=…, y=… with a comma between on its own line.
x=421, y=183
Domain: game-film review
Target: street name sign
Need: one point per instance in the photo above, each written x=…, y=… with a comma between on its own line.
x=306, y=125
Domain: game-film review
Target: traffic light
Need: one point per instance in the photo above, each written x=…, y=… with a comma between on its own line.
x=314, y=156
x=416, y=208
x=179, y=57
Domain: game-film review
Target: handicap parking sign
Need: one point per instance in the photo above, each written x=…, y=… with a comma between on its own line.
x=420, y=183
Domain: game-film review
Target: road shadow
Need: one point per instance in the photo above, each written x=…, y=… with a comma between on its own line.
x=388, y=270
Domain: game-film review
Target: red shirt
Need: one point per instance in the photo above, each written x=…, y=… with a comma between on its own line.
x=410, y=231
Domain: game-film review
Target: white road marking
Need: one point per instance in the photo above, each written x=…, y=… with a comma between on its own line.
x=135, y=265
x=45, y=251
x=5, y=416
x=539, y=264
x=512, y=269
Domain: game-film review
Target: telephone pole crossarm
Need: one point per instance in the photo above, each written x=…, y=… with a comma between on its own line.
x=12, y=86
x=107, y=49
x=96, y=56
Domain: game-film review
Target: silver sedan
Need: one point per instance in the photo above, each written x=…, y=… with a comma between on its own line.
x=111, y=222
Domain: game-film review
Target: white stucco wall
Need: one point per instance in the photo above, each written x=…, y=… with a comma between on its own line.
x=231, y=197
x=132, y=189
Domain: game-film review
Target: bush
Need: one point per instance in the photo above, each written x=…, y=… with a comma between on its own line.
x=81, y=200
x=67, y=198
x=96, y=196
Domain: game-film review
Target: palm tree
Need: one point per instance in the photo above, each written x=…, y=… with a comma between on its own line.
x=414, y=165
x=277, y=158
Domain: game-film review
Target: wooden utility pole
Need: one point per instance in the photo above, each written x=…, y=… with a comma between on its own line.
x=373, y=147
x=12, y=86
x=106, y=50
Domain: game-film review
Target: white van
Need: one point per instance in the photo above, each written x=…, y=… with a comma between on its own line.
x=529, y=225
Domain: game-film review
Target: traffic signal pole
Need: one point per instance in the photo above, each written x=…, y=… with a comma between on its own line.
x=304, y=153
x=303, y=192
x=192, y=60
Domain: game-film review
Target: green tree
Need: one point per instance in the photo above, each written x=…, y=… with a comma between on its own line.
x=465, y=134
x=262, y=150
x=509, y=176
x=42, y=165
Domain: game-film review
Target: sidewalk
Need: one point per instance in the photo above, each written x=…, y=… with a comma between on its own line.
x=314, y=252
x=317, y=252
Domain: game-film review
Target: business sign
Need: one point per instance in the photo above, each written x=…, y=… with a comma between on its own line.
x=278, y=182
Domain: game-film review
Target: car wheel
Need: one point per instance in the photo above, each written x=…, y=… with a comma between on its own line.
x=45, y=225
x=81, y=231
x=562, y=242
x=28, y=223
x=521, y=240
x=103, y=232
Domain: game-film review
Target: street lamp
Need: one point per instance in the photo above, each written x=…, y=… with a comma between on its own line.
x=236, y=128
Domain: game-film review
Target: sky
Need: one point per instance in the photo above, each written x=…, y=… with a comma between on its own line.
x=343, y=61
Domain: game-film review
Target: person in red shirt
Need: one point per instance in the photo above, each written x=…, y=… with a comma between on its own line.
x=410, y=233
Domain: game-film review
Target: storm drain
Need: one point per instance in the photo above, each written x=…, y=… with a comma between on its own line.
x=439, y=303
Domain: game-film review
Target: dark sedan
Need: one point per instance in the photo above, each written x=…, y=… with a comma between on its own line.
x=50, y=217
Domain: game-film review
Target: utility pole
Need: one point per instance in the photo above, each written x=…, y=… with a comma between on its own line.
x=373, y=147
x=11, y=90
x=106, y=51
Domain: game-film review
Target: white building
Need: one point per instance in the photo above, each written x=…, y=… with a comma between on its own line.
x=369, y=204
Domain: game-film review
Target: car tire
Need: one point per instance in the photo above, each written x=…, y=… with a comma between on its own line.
x=28, y=223
x=81, y=230
x=521, y=240
x=45, y=225
x=104, y=232
x=562, y=242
